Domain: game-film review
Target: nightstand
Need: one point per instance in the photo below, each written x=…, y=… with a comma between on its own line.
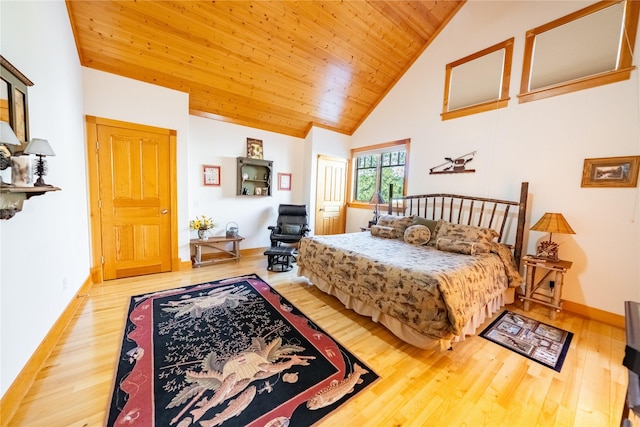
x=552, y=270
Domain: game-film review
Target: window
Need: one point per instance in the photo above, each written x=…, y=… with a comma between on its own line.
x=376, y=167
x=588, y=48
x=478, y=82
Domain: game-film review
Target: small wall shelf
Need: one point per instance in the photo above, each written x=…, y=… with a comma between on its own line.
x=254, y=177
x=12, y=197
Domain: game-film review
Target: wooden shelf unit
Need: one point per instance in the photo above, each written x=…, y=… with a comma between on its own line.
x=12, y=197
x=258, y=174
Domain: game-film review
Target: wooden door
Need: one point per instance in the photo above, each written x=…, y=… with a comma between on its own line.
x=330, y=196
x=134, y=200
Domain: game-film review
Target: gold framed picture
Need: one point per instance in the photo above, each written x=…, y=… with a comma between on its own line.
x=611, y=172
x=254, y=148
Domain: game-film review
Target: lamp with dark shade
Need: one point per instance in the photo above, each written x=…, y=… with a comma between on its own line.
x=551, y=223
x=41, y=148
x=377, y=200
x=7, y=137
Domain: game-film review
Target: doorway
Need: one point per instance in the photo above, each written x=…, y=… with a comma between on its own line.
x=132, y=198
x=331, y=188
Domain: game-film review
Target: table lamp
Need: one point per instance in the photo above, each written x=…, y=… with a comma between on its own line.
x=7, y=137
x=377, y=200
x=41, y=148
x=551, y=223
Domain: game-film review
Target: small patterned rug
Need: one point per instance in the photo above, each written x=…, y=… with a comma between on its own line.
x=230, y=352
x=535, y=340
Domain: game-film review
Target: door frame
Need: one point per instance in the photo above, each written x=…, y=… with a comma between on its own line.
x=92, y=123
x=346, y=188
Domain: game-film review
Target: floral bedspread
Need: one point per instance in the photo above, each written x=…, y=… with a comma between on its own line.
x=432, y=291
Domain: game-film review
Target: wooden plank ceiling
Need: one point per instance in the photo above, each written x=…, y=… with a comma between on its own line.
x=276, y=65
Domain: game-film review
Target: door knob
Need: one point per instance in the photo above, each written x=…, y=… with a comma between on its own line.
x=164, y=211
x=321, y=210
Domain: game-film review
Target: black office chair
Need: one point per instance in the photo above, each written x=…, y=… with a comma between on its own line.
x=292, y=225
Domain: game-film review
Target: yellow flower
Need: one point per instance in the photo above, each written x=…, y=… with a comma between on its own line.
x=201, y=223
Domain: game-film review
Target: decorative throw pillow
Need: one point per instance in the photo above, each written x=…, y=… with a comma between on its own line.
x=399, y=222
x=434, y=233
x=467, y=233
x=431, y=223
x=417, y=235
x=291, y=228
x=385, y=232
x=463, y=247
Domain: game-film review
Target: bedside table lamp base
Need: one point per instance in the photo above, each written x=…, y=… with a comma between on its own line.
x=551, y=223
x=547, y=250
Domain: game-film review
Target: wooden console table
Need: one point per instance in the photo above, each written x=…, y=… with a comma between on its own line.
x=533, y=283
x=219, y=245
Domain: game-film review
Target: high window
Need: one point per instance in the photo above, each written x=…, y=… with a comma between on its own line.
x=478, y=82
x=588, y=48
x=375, y=167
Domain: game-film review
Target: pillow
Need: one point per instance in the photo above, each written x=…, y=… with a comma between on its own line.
x=291, y=228
x=463, y=247
x=417, y=235
x=434, y=233
x=385, y=232
x=431, y=223
x=399, y=222
x=467, y=233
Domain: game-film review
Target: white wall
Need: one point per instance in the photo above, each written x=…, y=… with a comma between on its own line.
x=44, y=250
x=543, y=142
x=213, y=142
x=113, y=97
x=321, y=142
x=218, y=143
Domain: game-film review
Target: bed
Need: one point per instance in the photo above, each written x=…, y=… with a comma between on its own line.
x=432, y=270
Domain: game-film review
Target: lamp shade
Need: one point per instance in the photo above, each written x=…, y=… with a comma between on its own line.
x=377, y=199
x=553, y=223
x=7, y=136
x=39, y=147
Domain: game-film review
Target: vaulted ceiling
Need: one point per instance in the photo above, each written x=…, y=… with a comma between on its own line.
x=281, y=66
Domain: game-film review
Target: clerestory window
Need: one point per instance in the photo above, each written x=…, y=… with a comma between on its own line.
x=588, y=48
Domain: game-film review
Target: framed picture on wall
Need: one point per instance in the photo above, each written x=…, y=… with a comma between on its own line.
x=284, y=181
x=211, y=175
x=254, y=148
x=14, y=101
x=611, y=172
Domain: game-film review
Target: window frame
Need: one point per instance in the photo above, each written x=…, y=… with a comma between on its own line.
x=374, y=149
x=624, y=64
x=501, y=101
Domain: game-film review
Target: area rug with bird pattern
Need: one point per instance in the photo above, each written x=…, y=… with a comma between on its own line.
x=229, y=352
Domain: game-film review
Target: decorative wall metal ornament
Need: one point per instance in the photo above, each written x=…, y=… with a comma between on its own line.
x=454, y=165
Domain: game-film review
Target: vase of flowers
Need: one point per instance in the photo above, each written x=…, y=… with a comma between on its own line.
x=202, y=224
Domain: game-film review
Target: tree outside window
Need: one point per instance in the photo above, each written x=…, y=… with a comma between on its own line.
x=375, y=171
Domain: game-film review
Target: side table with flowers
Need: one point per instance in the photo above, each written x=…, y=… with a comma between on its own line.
x=202, y=224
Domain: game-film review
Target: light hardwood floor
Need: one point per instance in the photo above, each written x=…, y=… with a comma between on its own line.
x=477, y=384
